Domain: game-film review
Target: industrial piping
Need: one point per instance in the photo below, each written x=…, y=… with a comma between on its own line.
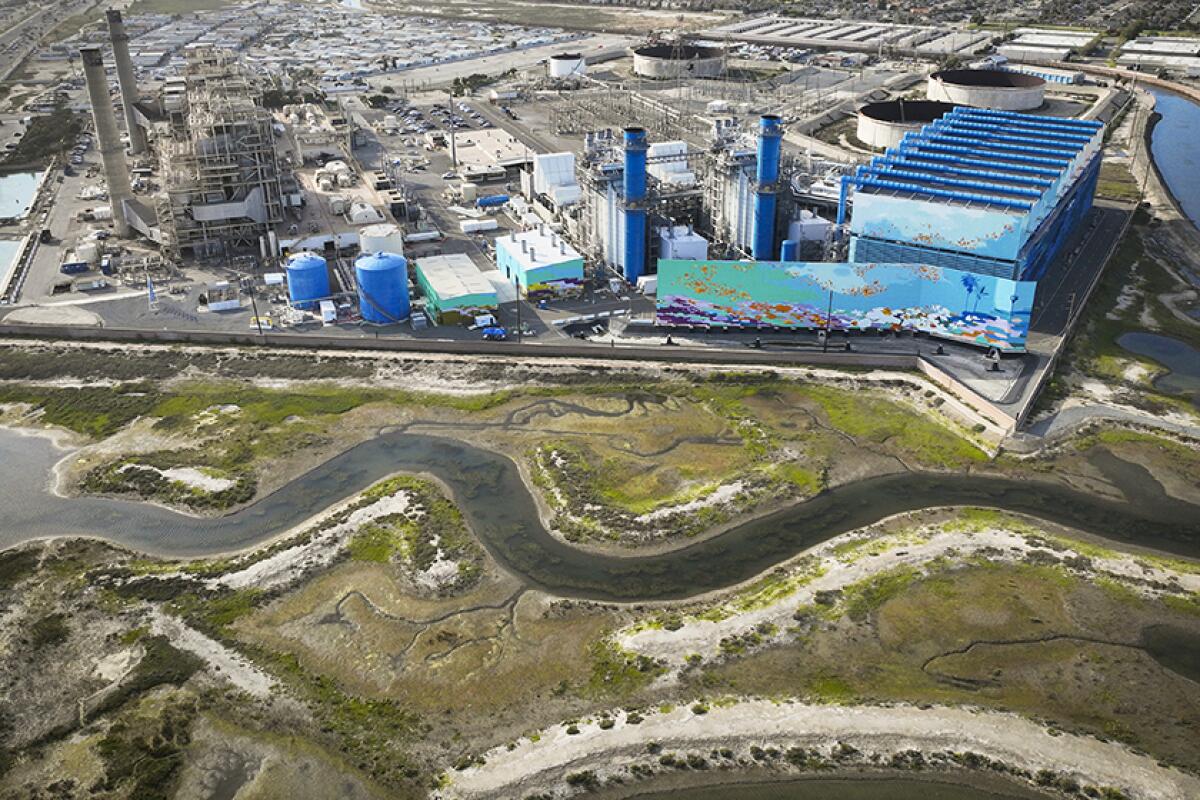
x=770, y=135
x=126, y=80
x=108, y=140
x=635, y=203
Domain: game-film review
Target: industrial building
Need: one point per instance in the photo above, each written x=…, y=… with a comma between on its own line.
x=885, y=124
x=870, y=37
x=455, y=290
x=540, y=263
x=1003, y=90
x=223, y=184
x=732, y=196
x=1046, y=44
x=989, y=192
x=1175, y=54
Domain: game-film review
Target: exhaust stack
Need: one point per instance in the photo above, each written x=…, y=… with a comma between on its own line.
x=108, y=140
x=126, y=80
x=635, y=203
x=770, y=134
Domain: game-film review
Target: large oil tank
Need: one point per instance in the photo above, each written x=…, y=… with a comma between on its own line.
x=382, y=287
x=308, y=279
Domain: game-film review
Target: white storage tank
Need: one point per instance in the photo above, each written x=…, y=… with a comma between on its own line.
x=567, y=65
x=382, y=238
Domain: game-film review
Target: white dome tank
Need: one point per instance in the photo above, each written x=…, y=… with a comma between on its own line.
x=383, y=238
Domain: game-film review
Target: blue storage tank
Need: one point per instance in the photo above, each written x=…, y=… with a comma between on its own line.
x=308, y=279
x=790, y=251
x=491, y=201
x=382, y=280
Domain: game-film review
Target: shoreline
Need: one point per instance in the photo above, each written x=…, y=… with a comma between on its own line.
x=876, y=733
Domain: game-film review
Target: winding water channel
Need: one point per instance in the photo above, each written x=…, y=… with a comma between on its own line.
x=1176, y=150
x=492, y=495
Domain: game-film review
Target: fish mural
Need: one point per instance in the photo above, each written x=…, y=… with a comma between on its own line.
x=953, y=304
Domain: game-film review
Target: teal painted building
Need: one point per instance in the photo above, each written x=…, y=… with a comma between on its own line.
x=540, y=263
x=455, y=290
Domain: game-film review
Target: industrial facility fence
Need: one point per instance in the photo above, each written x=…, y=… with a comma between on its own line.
x=657, y=354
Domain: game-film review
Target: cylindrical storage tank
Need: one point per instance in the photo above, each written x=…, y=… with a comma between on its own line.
x=883, y=125
x=382, y=280
x=566, y=65
x=382, y=238
x=789, y=250
x=678, y=61
x=987, y=88
x=308, y=279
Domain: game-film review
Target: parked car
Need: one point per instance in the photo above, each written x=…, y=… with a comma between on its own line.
x=495, y=334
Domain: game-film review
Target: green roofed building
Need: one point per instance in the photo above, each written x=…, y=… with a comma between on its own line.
x=455, y=290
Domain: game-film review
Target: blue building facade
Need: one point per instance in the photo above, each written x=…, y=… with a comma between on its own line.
x=989, y=192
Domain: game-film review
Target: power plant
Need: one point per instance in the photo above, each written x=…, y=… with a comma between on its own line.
x=941, y=217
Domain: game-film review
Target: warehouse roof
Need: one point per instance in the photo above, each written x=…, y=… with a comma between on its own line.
x=996, y=158
x=454, y=275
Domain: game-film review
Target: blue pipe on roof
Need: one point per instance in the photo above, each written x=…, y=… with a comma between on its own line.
x=635, y=196
x=844, y=197
x=952, y=148
x=918, y=176
x=1017, y=141
x=903, y=161
x=1057, y=122
x=1032, y=131
x=1001, y=146
x=770, y=134
x=1000, y=167
x=916, y=189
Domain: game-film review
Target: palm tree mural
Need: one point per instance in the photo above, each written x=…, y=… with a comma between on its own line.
x=970, y=283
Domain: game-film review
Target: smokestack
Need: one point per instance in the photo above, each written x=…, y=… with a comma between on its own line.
x=635, y=203
x=108, y=140
x=770, y=133
x=128, y=84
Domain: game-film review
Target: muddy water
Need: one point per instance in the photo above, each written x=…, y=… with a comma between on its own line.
x=493, y=497
x=1180, y=358
x=1175, y=649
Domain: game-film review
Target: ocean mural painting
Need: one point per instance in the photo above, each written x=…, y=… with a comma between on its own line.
x=953, y=304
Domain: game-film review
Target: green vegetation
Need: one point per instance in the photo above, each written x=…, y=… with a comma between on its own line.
x=434, y=524
x=1117, y=182
x=884, y=421
x=16, y=565
x=48, y=631
x=142, y=752
x=616, y=673
x=863, y=598
x=47, y=135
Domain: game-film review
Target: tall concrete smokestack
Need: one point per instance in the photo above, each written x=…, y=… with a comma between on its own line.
x=112, y=153
x=128, y=84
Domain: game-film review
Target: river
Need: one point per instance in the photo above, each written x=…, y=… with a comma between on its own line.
x=1176, y=149
x=493, y=497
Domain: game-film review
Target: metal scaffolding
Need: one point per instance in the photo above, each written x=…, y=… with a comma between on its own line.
x=222, y=180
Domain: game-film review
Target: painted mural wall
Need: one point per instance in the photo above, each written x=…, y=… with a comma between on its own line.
x=985, y=232
x=965, y=306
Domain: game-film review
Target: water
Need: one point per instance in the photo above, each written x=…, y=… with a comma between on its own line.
x=1174, y=648
x=1176, y=149
x=489, y=489
x=845, y=789
x=9, y=248
x=1180, y=358
x=17, y=190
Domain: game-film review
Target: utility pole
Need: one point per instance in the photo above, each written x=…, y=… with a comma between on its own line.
x=828, y=323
